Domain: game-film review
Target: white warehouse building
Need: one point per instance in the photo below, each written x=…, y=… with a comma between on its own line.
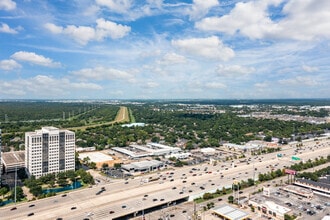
x=49, y=150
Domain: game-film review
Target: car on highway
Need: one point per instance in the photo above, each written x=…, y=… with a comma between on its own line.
x=32, y=205
x=64, y=195
x=111, y=212
x=30, y=214
x=14, y=208
x=73, y=207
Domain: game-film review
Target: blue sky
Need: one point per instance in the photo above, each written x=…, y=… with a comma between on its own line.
x=164, y=49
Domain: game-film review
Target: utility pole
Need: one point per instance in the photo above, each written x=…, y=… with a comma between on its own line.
x=15, y=182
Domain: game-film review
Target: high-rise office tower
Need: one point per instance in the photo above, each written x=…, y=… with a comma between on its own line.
x=49, y=150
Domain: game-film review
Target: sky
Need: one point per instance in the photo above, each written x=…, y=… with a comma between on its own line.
x=164, y=49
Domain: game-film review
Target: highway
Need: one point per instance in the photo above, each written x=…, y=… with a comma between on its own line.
x=133, y=195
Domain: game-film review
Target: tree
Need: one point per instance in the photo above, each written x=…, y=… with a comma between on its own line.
x=224, y=191
x=4, y=190
x=230, y=199
x=155, y=139
x=105, y=166
x=117, y=165
x=268, y=138
x=19, y=194
x=36, y=190
x=62, y=182
x=92, y=165
x=207, y=196
x=250, y=182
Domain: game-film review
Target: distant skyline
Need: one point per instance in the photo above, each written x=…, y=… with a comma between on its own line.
x=164, y=49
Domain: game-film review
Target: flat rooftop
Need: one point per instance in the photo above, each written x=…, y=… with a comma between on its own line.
x=96, y=157
x=230, y=212
x=13, y=157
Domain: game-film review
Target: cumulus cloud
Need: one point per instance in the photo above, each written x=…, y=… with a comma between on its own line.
x=150, y=85
x=102, y=73
x=4, y=28
x=34, y=58
x=7, y=5
x=9, y=65
x=309, y=69
x=234, y=70
x=215, y=85
x=200, y=8
x=172, y=58
x=39, y=84
x=262, y=85
x=110, y=29
x=211, y=47
x=84, y=34
x=303, y=20
x=300, y=81
x=119, y=6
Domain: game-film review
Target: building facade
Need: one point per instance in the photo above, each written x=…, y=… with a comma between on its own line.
x=49, y=150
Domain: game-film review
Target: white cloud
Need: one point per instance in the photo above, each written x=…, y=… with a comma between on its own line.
x=83, y=85
x=303, y=20
x=36, y=87
x=215, y=85
x=34, y=59
x=110, y=29
x=54, y=28
x=81, y=34
x=211, y=47
x=172, y=58
x=7, y=5
x=84, y=34
x=234, y=70
x=9, y=65
x=300, y=81
x=150, y=85
x=6, y=29
x=262, y=85
x=309, y=69
x=200, y=8
x=306, y=20
x=102, y=73
x=248, y=18
x=119, y=6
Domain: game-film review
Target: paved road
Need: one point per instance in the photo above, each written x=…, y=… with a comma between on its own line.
x=129, y=196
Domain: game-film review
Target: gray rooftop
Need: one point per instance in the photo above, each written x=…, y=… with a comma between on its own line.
x=230, y=212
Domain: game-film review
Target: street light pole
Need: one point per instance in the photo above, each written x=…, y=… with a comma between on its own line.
x=15, y=182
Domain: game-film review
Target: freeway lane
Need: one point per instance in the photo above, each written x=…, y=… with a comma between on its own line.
x=131, y=194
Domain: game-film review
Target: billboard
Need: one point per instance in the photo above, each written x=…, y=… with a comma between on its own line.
x=291, y=172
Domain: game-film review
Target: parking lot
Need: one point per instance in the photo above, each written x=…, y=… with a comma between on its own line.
x=306, y=208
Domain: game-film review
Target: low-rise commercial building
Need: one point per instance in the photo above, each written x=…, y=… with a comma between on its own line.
x=13, y=160
x=143, y=166
x=269, y=208
x=227, y=212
